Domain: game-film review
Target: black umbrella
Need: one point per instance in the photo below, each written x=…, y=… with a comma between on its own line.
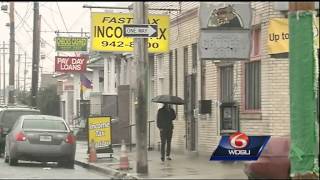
x=168, y=99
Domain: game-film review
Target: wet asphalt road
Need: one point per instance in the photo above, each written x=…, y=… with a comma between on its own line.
x=35, y=170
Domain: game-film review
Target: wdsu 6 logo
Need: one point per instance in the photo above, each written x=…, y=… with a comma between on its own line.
x=239, y=146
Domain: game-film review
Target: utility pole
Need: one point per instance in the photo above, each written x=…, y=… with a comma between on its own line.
x=11, y=57
x=303, y=83
x=141, y=57
x=25, y=72
x=35, y=54
x=0, y=75
x=4, y=72
x=18, y=74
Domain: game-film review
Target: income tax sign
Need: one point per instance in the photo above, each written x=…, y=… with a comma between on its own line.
x=70, y=64
x=100, y=131
x=107, y=32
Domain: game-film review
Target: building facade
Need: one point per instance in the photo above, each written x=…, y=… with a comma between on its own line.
x=256, y=90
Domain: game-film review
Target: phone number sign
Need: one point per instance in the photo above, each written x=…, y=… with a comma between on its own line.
x=107, y=32
x=99, y=131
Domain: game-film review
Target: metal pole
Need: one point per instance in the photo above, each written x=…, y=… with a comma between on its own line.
x=4, y=73
x=25, y=72
x=0, y=74
x=11, y=57
x=18, y=74
x=141, y=57
x=149, y=147
x=35, y=54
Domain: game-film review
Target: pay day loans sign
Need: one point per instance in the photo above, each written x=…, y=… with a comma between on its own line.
x=100, y=131
x=107, y=32
x=70, y=64
x=278, y=35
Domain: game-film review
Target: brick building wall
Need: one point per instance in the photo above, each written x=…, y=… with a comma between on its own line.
x=273, y=118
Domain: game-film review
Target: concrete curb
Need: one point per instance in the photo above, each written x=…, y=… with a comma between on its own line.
x=109, y=171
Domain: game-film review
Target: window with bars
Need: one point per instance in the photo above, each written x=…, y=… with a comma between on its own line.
x=253, y=85
x=226, y=83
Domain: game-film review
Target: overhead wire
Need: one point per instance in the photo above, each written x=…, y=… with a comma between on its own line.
x=24, y=17
x=64, y=23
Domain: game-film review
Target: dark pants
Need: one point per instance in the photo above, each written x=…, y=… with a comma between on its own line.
x=166, y=136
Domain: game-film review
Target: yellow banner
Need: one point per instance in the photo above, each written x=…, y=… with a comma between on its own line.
x=100, y=131
x=107, y=33
x=278, y=35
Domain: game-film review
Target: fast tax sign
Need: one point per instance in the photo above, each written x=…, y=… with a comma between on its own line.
x=107, y=32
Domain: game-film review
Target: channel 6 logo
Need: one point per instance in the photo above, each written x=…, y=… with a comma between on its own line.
x=239, y=146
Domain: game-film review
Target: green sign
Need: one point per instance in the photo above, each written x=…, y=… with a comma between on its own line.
x=71, y=43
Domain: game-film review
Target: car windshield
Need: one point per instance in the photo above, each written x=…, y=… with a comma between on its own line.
x=10, y=117
x=44, y=124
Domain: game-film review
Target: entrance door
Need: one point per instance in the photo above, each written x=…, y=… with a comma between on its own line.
x=190, y=98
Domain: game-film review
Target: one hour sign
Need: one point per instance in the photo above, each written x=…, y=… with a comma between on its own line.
x=107, y=32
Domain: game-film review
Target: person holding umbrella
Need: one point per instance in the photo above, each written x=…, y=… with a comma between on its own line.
x=165, y=116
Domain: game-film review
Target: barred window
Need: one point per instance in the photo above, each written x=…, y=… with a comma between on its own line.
x=253, y=85
x=226, y=83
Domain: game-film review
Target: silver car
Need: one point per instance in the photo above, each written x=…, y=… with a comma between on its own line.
x=40, y=138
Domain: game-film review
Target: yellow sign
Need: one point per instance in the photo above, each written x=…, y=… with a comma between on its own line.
x=107, y=33
x=278, y=35
x=100, y=131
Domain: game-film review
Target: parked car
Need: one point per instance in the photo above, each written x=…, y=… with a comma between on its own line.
x=8, y=116
x=274, y=161
x=41, y=138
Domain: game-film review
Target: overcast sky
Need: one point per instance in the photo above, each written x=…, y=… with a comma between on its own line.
x=72, y=13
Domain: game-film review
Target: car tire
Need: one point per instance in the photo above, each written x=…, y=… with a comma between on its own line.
x=13, y=161
x=66, y=164
x=70, y=164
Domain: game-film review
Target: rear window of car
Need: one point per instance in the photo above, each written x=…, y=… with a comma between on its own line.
x=44, y=124
x=10, y=117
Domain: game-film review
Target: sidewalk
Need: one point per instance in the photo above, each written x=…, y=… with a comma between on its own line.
x=181, y=167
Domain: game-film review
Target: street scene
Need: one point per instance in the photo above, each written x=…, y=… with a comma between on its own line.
x=159, y=90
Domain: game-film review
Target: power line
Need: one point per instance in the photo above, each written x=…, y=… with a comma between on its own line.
x=31, y=30
x=24, y=17
x=52, y=16
x=80, y=16
x=64, y=23
x=45, y=21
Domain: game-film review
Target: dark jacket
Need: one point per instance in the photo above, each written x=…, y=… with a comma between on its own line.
x=165, y=117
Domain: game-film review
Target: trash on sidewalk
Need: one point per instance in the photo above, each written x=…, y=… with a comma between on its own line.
x=124, y=160
x=92, y=153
